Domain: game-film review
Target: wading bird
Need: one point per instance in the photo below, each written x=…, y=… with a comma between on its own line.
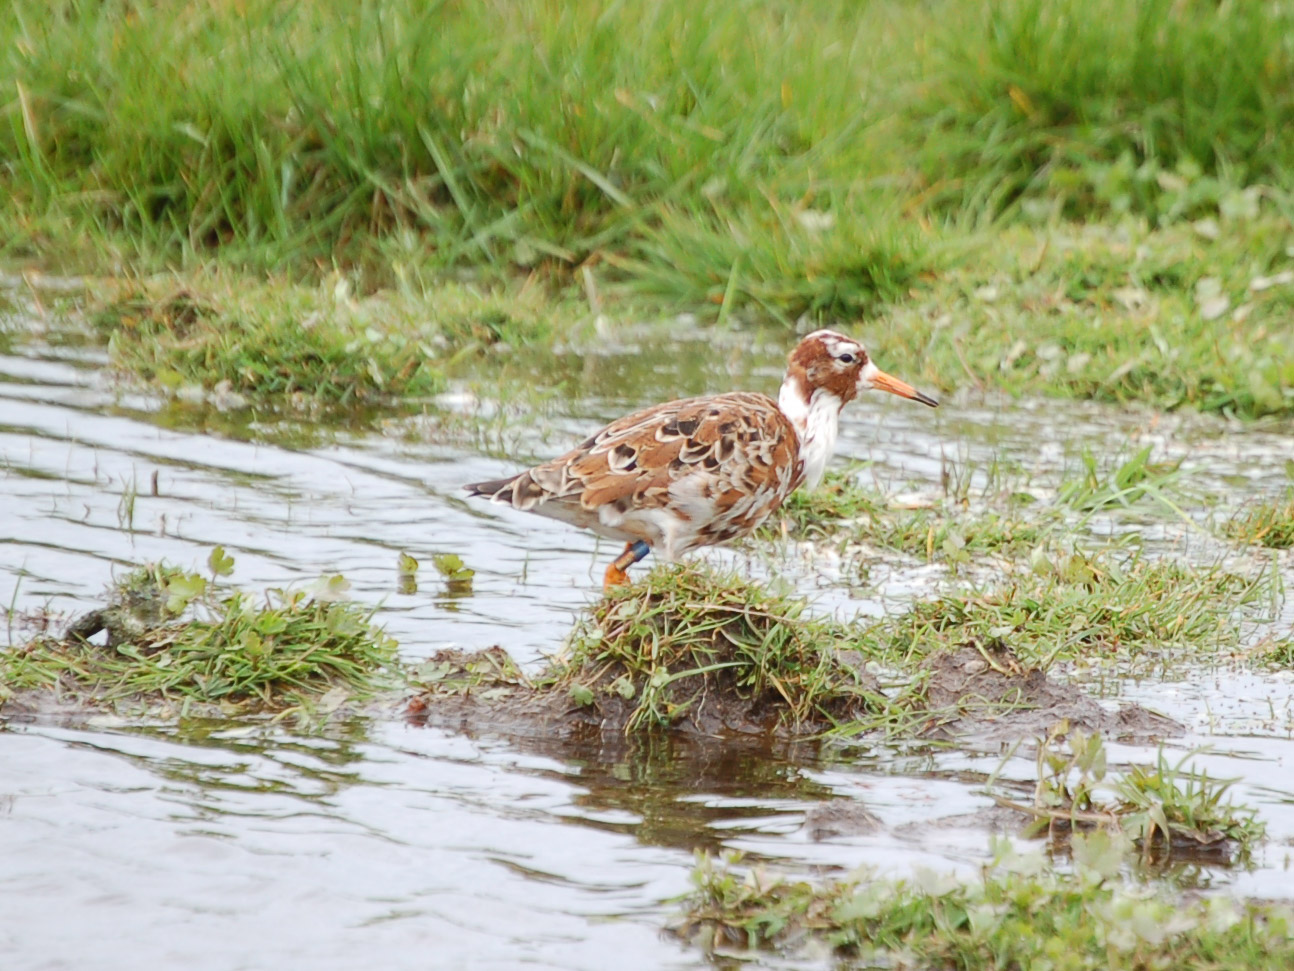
x=706, y=470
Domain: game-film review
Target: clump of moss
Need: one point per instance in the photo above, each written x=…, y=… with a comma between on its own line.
x=172, y=639
x=1269, y=523
x=691, y=646
x=275, y=350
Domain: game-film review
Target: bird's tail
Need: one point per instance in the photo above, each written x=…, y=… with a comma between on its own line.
x=499, y=490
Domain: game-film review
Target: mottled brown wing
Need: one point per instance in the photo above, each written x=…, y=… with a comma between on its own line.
x=736, y=444
x=731, y=441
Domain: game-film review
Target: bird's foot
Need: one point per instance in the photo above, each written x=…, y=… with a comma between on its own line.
x=617, y=575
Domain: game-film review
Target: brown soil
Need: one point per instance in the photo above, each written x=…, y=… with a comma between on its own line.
x=976, y=702
x=840, y=817
x=485, y=689
x=969, y=701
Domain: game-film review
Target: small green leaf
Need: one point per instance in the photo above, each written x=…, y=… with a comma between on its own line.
x=430, y=672
x=182, y=589
x=581, y=695
x=407, y=565
x=450, y=566
x=220, y=563
x=253, y=643
x=447, y=564
x=330, y=588
x=1099, y=851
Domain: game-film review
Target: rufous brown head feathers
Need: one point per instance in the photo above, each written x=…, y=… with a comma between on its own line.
x=830, y=362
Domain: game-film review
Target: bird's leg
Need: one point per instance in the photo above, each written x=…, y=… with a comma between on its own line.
x=616, y=575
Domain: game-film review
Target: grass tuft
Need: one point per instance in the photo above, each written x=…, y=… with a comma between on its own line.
x=172, y=639
x=1135, y=481
x=689, y=645
x=280, y=344
x=1269, y=523
x=1071, y=605
x=1160, y=808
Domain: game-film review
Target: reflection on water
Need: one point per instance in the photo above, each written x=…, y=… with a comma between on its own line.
x=224, y=845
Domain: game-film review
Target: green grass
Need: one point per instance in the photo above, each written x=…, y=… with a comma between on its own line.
x=844, y=511
x=1269, y=523
x=919, y=167
x=689, y=643
x=1070, y=605
x=1130, y=483
x=1158, y=808
x=672, y=144
x=1016, y=914
x=636, y=133
x=277, y=344
x=1158, y=107
x=175, y=639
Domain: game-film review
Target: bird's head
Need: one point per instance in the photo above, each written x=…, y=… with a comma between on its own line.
x=829, y=363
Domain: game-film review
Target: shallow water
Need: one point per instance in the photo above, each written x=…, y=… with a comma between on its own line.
x=238, y=846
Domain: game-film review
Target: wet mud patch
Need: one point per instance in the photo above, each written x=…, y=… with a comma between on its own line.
x=982, y=693
x=471, y=691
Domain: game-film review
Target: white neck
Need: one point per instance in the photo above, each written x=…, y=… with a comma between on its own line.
x=816, y=421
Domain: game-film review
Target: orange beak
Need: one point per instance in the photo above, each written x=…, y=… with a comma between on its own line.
x=893, y=385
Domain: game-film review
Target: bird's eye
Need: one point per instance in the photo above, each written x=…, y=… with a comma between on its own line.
x=847, y=358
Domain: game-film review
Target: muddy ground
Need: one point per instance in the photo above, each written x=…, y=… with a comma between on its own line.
x=969, y=701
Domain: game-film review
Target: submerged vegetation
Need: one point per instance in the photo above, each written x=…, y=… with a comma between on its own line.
x=1016, y=913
